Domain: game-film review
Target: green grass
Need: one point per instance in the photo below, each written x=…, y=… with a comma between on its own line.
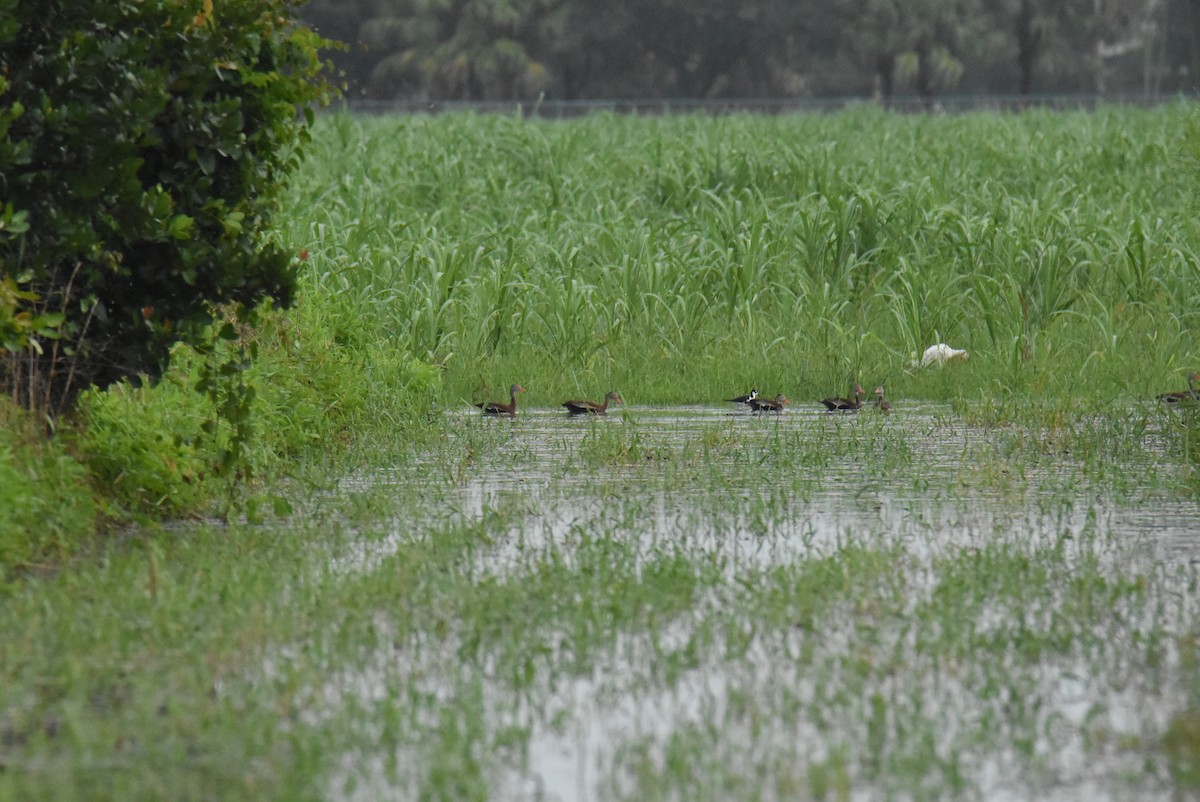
x=684, y=258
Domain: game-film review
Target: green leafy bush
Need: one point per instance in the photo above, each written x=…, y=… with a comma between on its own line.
x=143, y=145
x=157, y=450
x=145, y=447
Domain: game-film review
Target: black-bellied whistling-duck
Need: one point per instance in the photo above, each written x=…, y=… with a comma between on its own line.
x=768, y=404
x=1190, y=394
x=500, y=408
x=852, y=404
x=744, y=399
x=590, y=407
x=881, y=403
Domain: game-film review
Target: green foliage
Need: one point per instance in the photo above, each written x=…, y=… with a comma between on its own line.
x=1181, y=742
x=165, y=451
x=145, y=447
x=143, y=147
x=798, y=605
x=169, y=451
x=20, y=328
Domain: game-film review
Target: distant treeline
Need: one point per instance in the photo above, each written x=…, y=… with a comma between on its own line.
x=573, y=49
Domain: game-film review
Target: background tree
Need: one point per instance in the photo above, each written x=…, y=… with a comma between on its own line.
x=914, y=41
x=1054, y=35
x=1032, y=28
x=876, y=40
x=457, y=49
x=573, y=49
x=1185, y=31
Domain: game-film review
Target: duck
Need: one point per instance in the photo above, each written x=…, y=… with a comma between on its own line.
x=586, y=407
x=744, y=399
x=499, y=407
x=768, y=405
x=852, y=404
x=1190, y=394
x=881, y=403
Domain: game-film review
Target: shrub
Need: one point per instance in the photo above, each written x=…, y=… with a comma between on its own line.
x=157, y=451
x=143, y=145
x=145, y=449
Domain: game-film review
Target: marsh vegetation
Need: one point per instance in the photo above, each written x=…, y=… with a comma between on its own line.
x=684, y=259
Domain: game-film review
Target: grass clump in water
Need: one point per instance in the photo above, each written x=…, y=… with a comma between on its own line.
x=626, y=444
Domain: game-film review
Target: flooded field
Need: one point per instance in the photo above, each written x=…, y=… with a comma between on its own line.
x=699, y=603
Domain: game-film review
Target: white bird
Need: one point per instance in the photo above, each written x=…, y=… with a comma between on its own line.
x=940, y=354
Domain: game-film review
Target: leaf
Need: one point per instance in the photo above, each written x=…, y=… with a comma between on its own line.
x=205, y=15
x=232, y=223
x=181, y=226
x=207, y=161
x=13, y=222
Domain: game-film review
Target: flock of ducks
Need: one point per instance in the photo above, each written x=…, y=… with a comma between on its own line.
x=574, y=407
x=752, y=399
x=938, y=354
x=851, y=403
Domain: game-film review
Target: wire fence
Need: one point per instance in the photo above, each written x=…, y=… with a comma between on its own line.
x=950, y=104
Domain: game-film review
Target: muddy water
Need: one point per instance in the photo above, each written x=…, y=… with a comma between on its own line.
x=750, y=492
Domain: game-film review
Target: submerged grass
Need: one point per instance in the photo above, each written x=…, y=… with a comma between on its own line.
x=913, y=666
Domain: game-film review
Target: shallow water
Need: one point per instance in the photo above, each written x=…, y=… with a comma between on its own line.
x=748, y=493
x=939, y=502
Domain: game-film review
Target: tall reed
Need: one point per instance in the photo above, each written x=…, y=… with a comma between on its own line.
x=667, y=255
